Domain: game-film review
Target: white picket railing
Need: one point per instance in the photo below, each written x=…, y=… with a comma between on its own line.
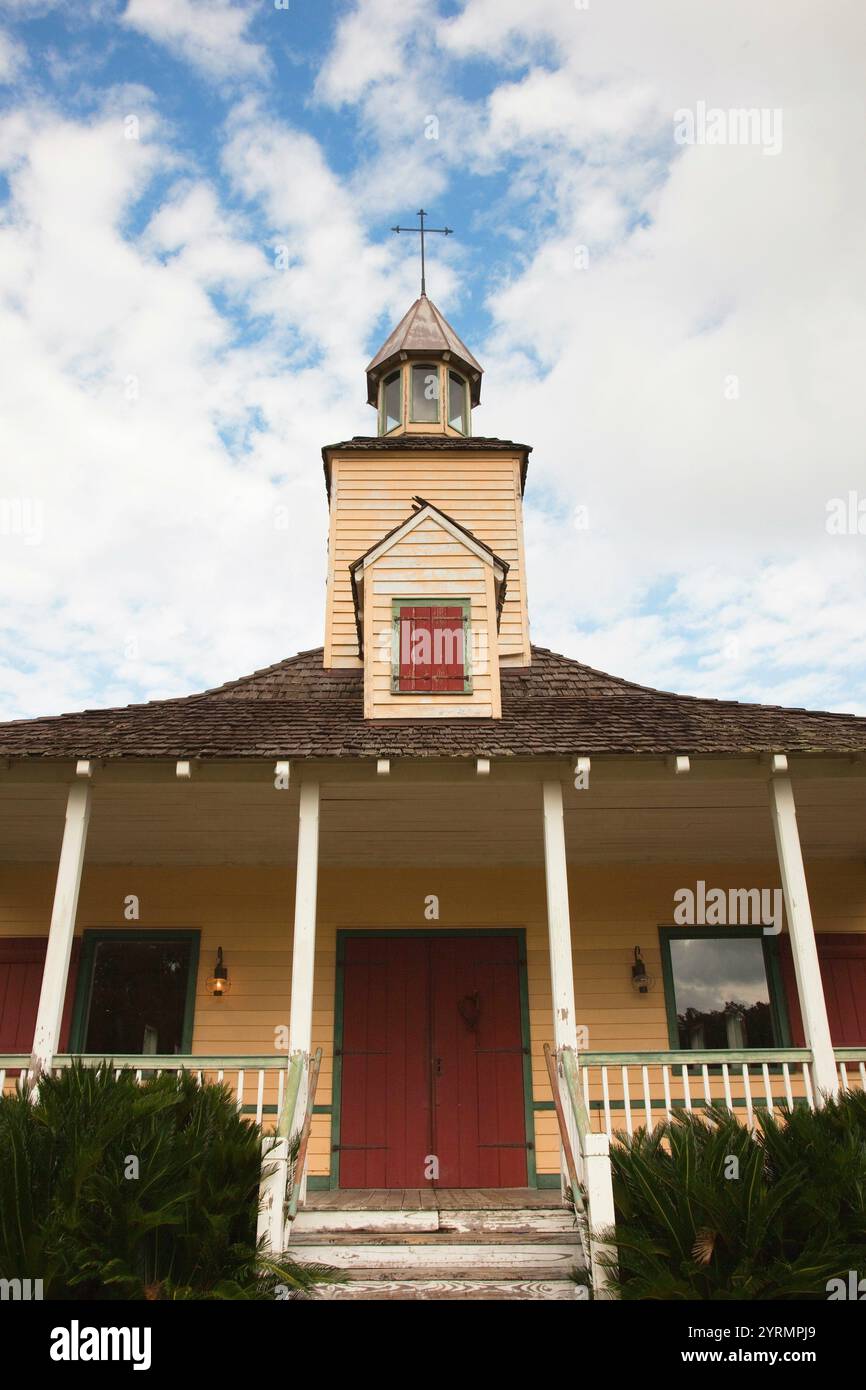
x=623, y=1091
x=257, y=1082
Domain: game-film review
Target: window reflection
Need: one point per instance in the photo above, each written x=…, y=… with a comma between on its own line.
x=721, y=992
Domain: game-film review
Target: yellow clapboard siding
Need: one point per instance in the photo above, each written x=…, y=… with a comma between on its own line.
x=370, y=495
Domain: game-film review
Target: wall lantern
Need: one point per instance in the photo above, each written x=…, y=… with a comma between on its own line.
x=642, y=982
x=218, y=982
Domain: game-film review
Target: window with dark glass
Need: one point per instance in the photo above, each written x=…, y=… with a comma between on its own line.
x=457, y=411
x=430, y=648
x=425, y=392
x=139, y=996
x=392, y=413
x=720, y=991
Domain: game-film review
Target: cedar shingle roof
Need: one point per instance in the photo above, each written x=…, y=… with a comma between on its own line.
x=555, y=708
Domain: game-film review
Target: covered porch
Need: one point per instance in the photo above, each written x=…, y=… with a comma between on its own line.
x=575, y=864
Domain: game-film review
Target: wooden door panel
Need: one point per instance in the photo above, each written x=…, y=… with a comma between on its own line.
x=842, y=958
x=385, y=1110
x=479, y=1123
x=22, y=960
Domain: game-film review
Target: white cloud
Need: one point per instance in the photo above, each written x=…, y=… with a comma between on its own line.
x=696, y=387
x=209, y=34
x=13, y=56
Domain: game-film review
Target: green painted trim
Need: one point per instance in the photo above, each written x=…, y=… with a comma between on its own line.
x=528, y=1115
x=322, y=1109
x=772, y=965
x=337, y=1078
x=549, y=1181
x=343, y=935
x=543, y=1105
x=698, y=1103
x=319, y=1182
x=297, y=1066
x=188, y=1061
x=84, y=986
x=415, y=602
x=693, y=1057
x=850, y=1054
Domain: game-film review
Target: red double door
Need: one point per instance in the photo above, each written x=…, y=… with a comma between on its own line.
x=432, y=1063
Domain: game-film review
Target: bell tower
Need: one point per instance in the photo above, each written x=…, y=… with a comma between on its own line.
x=426, y=575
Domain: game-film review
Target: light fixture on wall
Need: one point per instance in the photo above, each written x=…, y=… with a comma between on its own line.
x=642, y=981
x=218, y=982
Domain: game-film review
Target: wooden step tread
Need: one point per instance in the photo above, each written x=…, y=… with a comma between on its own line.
x=338, y=1239
x=525, y=1221
x=462, y=1290
x=510, y=1271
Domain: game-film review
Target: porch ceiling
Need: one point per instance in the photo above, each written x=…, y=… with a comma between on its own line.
x=407, y=819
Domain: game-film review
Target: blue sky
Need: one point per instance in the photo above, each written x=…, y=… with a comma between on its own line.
x=678, y=329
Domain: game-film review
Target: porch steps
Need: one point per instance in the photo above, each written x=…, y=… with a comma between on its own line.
x=479, y=1254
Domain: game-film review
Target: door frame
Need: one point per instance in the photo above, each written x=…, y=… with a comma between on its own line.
x=84, y=989
x=345, y=933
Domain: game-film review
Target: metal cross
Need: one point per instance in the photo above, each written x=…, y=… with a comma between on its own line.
x=424, y=231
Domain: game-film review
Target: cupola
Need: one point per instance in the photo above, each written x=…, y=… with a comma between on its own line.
x=424, y=379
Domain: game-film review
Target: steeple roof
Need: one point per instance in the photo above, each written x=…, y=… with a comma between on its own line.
x=423, y=329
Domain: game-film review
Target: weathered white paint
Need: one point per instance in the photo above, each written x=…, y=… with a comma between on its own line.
x=778, y=763
x=680, y=765
x=598, y=1177
x=453, y=1290
x=364, y=1222
x=383, y=767
x=83, y=768
x=272, y=1193
x=183, y=770
x=304, y=943
x=558, y=918
x=448, y=1257
x=813, y=1006
x=482, y=767
x=56, y=970
x=283, y=771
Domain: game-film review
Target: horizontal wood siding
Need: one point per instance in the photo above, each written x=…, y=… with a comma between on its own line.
x=371, y=494
x=248, y=911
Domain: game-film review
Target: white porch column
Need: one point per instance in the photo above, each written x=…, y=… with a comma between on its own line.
x=56, y=971
x=304, y=944
x=558, y=918
x=813, y=1007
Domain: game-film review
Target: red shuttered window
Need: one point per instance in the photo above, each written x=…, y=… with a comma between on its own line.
x=431, y=648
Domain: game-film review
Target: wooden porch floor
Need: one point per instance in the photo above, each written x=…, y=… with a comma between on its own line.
x=433, y=1199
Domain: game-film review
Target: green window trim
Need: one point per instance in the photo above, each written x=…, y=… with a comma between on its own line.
x=422, y=601
x=772, y=964
x=383, y=418
x=84, y=987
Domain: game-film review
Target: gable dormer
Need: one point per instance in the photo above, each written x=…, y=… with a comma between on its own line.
x=428, y=601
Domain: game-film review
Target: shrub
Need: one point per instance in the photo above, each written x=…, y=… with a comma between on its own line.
x=793, y=1217
x=114, y=1190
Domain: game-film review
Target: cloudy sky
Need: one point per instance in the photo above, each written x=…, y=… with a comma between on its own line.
x=196, y=264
